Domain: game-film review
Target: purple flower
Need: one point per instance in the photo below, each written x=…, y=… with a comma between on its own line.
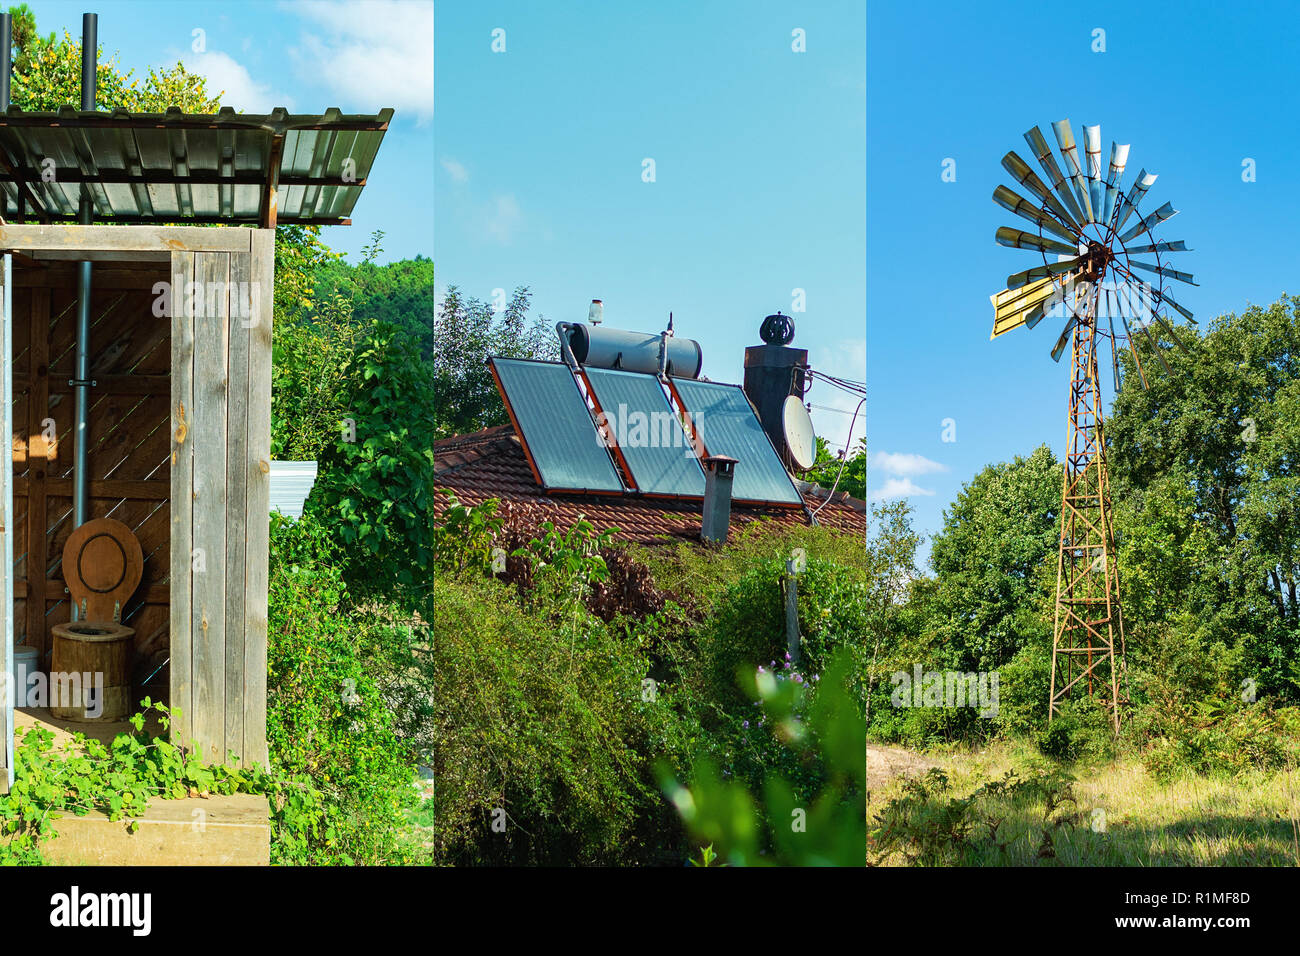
x=745, y=725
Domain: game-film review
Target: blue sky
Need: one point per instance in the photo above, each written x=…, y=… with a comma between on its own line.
x=758, y=150
x=1195, y=88
x=358, y=55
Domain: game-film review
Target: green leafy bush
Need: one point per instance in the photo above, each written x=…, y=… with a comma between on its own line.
x=543, y=726
x=118, y=779
x=377, y=491
x=344, y=776
x=772, y=819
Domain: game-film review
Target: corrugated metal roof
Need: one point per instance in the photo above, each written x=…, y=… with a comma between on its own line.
x=186, y=167
x=291, y=483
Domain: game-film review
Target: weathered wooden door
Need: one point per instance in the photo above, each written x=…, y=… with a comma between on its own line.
x=7, y=520
x=220, y=473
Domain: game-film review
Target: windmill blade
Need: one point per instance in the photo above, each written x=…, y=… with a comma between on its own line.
x=1155, y=347
x=1064, y=340
x=1114, y=176
x=1183, y=312
x=1109, y=202
x=1023, y=208
x=1044, y=271
x=1175, y=246
x=1092, y=154
x=1118, y=160
x=1025, y=306
x=1139, y=189
x=1026, y=177
x=1128, y=337
x=1016, y=239
x=1164, y=213
x=1168, y=327
x=1166, y=272
x=1038, y=145
x=1114, y=355
x=1070, y=153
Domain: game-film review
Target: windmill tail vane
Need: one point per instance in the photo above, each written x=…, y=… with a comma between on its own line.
x=1089, y=234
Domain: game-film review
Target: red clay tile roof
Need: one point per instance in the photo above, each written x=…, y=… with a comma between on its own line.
x=491, y=464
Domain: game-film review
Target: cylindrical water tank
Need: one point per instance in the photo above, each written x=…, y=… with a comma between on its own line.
x=602, y=347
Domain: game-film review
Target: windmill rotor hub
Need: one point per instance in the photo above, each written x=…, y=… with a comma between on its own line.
x=1098, y=257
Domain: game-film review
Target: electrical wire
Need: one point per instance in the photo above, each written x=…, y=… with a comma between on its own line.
x=844, y=460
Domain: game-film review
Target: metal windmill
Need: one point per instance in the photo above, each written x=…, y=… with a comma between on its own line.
x=1089, y=276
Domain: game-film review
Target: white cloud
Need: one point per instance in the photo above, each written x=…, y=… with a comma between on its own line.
x=899, y=488
x=241, y=91
x=456, y=170
x=902, y=463
x=371, y=53
x=503, y=218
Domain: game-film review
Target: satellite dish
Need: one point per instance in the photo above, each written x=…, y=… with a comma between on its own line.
x=799, y=435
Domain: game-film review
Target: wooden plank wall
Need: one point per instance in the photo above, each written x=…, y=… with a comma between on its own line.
x=128, y=435
x=180, y=435
x=220, y=453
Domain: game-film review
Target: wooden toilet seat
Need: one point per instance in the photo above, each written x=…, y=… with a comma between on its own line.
x=102, y=567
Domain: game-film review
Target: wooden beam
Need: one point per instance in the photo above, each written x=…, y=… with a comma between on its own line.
x=270, y=196
x=86, y=239
x=257, y=502
x=108, y=488
x=208, y=428
x=182, y=509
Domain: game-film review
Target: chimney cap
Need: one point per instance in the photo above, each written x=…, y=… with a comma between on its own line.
x=777, y=329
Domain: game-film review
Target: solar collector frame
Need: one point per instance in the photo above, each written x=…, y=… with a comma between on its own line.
x=761, y=478
x=537, y=399
x=660, y=469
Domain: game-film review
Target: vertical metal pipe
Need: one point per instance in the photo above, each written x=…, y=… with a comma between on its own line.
x=81, y=385
x=6, y=58
x=89, y=58
x=7, y=506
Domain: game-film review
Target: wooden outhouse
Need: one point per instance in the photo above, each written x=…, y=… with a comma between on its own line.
x=136, y=381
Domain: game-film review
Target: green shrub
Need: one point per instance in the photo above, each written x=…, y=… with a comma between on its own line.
x=1082, y=729
x=344, y=776
x=377, y=492
x=543, y=727
x=747, y=627
x=812, y=817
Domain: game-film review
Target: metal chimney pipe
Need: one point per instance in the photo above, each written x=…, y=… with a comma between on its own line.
x=89, y=58
x=6, y=58
x=719, y=473
x=85, y=212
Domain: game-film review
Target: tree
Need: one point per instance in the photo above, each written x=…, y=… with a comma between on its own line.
x=826, y=468
x=376, y=487
x=47, y=75
x=1204, y=476
x=465, y=333
x=993, y=561
x=400, y=293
